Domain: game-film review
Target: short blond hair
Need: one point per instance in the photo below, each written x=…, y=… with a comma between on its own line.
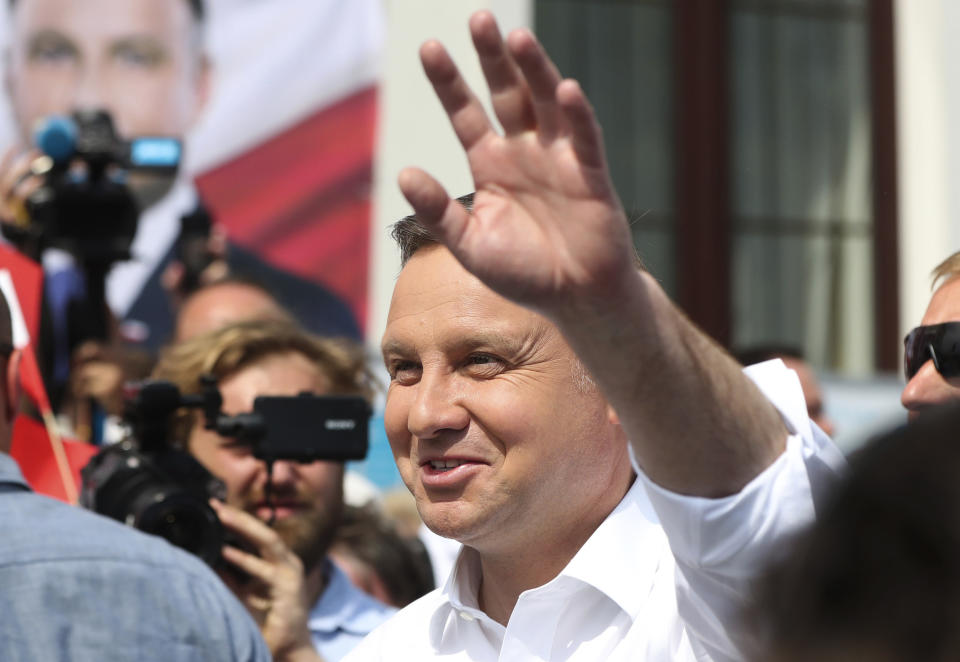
x=946, y=270
x=223, y=352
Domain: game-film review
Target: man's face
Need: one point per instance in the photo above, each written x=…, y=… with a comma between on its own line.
x=928, y=387
x=138, y=59
x=308, y=497
x=492, y=426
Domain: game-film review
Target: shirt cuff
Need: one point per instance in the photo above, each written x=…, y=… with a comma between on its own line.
x=742, y=528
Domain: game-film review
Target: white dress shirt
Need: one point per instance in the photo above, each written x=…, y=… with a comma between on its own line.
x=662, y=579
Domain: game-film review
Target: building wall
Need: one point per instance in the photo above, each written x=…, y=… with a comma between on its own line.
x=413, y=131
x=928, y=144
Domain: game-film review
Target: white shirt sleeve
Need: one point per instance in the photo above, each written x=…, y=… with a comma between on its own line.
x=721, y=545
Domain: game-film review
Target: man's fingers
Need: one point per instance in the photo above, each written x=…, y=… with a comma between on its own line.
x=542, y=78
x=445, y=216
x=251, y=564
x=508, y=91
x=265, y=539
x=469, y=120
x=15, y=173
x=585, y=133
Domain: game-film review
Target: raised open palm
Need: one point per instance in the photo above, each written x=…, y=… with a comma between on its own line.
x=546, y=223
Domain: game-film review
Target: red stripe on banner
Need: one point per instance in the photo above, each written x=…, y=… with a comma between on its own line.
x=302, y=199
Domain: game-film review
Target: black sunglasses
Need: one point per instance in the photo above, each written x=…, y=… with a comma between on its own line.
x=940, y=342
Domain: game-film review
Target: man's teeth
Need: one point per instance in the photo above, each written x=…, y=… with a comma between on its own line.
x=445, y=465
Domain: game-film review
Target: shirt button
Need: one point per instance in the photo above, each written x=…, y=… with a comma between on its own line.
x=467, y=617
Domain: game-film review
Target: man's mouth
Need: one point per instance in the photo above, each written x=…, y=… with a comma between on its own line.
x=277, y=509
x=446, y=465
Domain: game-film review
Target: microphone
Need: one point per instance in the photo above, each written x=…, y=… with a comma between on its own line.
x=56, y=136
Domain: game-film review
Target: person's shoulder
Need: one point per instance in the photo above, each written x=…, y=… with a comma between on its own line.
x=60, y=559
x=344, y=601
x=52, y=529
x=408, y=630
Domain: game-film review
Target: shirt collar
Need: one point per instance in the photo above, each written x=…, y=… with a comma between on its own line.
x=343, y=607
x=157, y=229
x=622, y=557
x=10, y=473
x=620, y=560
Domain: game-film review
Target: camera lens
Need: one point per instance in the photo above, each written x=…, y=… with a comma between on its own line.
x=181, y=519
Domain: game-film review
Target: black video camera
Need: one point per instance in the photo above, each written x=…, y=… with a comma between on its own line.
x=85, y=205
x=149, y=484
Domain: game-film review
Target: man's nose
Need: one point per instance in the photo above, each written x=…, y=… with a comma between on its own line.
x=88, y=93
x=437, y=406
x=282, y=472
x=927, y=388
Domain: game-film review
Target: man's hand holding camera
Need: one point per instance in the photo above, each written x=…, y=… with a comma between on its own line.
x=276, y=594
x=19, y=179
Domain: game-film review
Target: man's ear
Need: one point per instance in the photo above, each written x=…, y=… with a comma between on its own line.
x=12, y=384
x=612, y=416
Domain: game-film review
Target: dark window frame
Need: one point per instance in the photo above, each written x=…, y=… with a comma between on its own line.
x=703, y=171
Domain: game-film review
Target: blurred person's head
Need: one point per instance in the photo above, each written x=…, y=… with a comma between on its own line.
x=140, y=60
x=9, y=382
x=877, y=577
x=793, y=358
x=378, y=560
x=935, y=344
x=257, y=358
x=225, y=302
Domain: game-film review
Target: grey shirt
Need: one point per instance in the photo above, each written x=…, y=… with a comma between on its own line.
x=75, y=586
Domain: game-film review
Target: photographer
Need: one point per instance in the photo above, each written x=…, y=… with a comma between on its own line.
x=298, y=597
x=143, y=62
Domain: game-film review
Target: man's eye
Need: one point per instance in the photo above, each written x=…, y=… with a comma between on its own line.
x=139, y=55
x=484, y=364
x=404, y=371
x=52, y=52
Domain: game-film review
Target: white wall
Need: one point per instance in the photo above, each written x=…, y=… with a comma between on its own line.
x=928, y=144
x=412, y=127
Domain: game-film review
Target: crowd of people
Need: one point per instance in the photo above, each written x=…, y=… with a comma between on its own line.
x=594, y=478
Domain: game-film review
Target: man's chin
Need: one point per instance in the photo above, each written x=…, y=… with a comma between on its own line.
x=308, y=533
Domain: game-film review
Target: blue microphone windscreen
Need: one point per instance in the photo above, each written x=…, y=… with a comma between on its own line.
x=55, y=136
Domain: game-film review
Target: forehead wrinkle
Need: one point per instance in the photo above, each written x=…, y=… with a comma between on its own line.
x=472, y=324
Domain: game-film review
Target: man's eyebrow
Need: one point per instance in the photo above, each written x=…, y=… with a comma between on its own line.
x=510, y=344
x=393, y=346
x=48, y=37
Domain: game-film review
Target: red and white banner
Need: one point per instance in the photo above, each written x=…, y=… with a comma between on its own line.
x=284, y=153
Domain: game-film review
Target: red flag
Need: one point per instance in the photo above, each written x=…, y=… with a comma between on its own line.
x=21, y=281
x=33, y=452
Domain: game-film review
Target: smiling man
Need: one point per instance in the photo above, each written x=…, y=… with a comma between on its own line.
x=527, y=354
x=301, y=601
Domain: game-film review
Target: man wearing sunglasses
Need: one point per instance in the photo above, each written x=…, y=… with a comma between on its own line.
x=932, y=350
